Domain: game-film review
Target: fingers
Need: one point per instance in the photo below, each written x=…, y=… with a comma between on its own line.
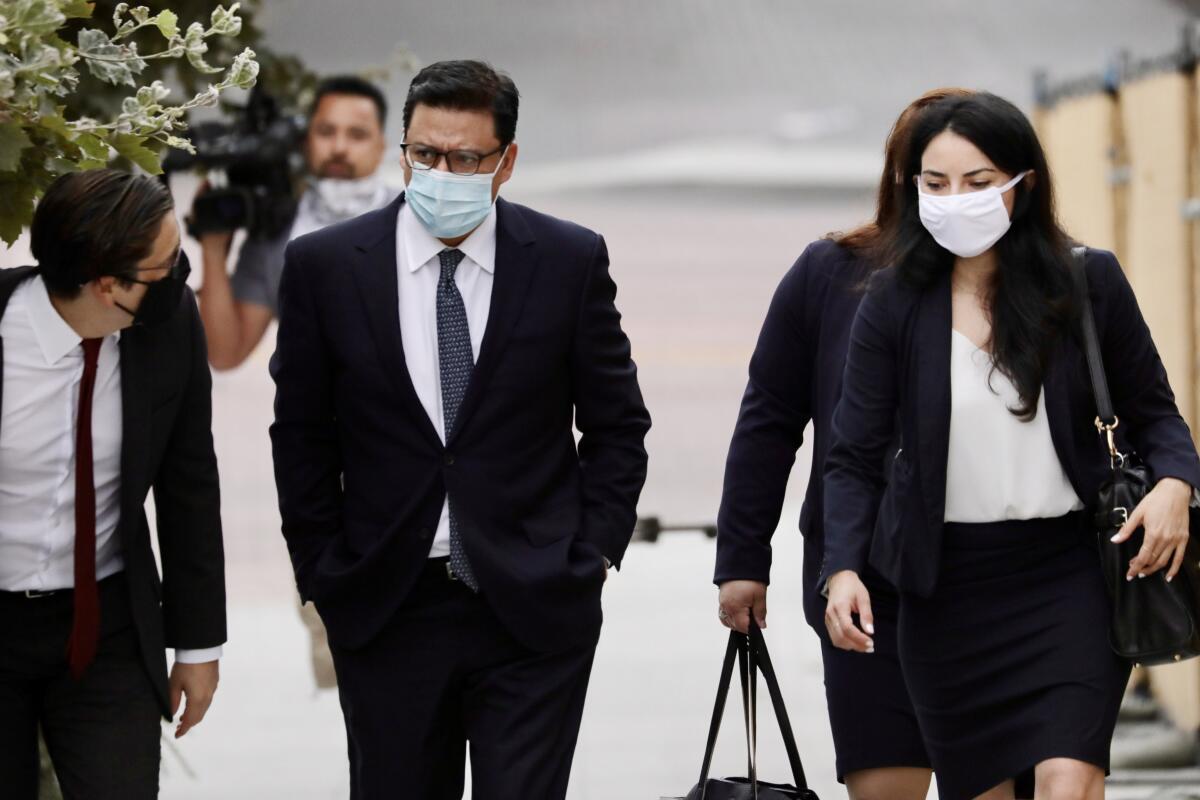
x=1177, y=561
x=839, y=619
x=760, y=610
x=865, y=615
x=193, y=712
x=1131, y=525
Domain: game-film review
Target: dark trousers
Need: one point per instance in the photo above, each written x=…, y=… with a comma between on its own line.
x=103, y=730
x=444, y=672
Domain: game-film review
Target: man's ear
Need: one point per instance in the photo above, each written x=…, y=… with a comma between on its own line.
x=102, y=289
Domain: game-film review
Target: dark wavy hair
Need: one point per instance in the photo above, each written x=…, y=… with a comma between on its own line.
x=1030, y=302
x=866, y=241
x=96, y=223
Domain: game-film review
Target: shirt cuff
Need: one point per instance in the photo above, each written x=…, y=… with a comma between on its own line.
x=199, y=656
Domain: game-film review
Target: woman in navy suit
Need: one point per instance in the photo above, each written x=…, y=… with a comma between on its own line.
x=795, y=377
x=965, y=349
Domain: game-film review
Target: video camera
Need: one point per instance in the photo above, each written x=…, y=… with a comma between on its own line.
x=251, y=161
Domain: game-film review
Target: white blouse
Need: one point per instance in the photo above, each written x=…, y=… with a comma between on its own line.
x=998, y=467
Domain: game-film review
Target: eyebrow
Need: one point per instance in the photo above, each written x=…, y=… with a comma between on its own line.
x=935, y=174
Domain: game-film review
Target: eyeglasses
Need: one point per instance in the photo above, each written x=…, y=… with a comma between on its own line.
x=460, y=162
x=177, y=266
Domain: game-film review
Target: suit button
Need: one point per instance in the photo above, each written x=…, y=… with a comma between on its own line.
x=448, y=459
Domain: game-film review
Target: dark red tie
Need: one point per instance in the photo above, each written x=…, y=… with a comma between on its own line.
x=85, y=630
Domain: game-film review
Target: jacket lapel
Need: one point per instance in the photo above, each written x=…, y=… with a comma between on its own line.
x=135, y=423
x=931, y=340
x=516, y=263
x=374, y=271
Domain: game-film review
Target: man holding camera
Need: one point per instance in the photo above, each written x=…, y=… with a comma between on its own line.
x=343, y=147
x=106, y=395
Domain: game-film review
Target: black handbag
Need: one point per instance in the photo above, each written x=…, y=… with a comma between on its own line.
x=751, y=654
x=1153, y=621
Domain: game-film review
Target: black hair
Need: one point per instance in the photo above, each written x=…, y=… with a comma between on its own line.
x=1031, y=302
x=467, y=86
x=351, y=85
x=95, y=223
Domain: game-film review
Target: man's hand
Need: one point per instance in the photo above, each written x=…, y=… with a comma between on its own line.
x=216, y=244
x=738, y=599
x=848, y=596
x=199, y=683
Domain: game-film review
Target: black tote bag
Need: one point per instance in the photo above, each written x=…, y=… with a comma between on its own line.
x=750, y=652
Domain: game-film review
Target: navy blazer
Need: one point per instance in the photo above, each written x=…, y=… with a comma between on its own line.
x=362, y=473
x=167, y=447
x=899, y=361
x=795, y=376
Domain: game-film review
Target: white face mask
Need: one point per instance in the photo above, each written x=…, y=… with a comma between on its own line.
x=970, y=223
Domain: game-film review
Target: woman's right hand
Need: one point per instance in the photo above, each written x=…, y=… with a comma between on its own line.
x=848, y=596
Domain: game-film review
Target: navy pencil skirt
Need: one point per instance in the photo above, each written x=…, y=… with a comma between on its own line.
x=1008, y=663
x=870, y=714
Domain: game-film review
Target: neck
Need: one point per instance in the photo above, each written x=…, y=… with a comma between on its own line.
x=82, y=314
x=975, y=273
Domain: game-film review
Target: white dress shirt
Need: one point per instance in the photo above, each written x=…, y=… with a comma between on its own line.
x=418, y=268
x=43, y=369
x=998, y=467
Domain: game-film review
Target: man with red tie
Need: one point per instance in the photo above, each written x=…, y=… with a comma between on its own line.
x=106, y=395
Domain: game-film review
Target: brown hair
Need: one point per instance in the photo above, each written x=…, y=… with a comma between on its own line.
x=866, y=240
x=94, y=223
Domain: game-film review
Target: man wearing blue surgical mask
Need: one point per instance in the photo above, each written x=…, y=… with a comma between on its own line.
x=431, y=362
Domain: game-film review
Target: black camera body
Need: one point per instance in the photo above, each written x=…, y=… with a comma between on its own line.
x=259, y=155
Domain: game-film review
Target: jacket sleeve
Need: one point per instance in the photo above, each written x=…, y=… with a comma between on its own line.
x=862, y=432
x=187, y=501
x=609, y=413
x=307, y=455
x=776, y=407
x=1141, y=395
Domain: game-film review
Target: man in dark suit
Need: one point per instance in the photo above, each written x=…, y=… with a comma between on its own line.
x=106, y=395
x=431, y=359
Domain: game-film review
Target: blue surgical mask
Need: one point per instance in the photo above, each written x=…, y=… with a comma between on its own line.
x=450, y=205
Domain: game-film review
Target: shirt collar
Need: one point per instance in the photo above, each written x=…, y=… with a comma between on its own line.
x=420, y=246
x=54, y=336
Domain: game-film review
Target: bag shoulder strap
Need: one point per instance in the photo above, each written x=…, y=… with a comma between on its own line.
x=1091, y=339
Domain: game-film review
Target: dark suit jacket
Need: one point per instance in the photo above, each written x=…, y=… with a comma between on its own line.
x=166, y=395
x=795, y=377
x=362, y=473
x=900, y=361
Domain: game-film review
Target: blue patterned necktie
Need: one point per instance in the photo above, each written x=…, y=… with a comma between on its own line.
x=456, y=361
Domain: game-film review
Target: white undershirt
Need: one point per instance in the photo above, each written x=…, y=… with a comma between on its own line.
x=418, y=269
x=998, y=467
x=43, y=368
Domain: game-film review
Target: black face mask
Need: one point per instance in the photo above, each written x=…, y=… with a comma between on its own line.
x=162, y=296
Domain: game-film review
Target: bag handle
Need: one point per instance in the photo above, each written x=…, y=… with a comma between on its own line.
x=1106, y=418
x=751, y=653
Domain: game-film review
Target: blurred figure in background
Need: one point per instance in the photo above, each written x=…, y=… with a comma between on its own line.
x=343, y=148
x=107, y=395
x=430, y=362
x=796, y=377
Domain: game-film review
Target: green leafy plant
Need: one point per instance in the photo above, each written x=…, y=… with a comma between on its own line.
x=40, y=137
